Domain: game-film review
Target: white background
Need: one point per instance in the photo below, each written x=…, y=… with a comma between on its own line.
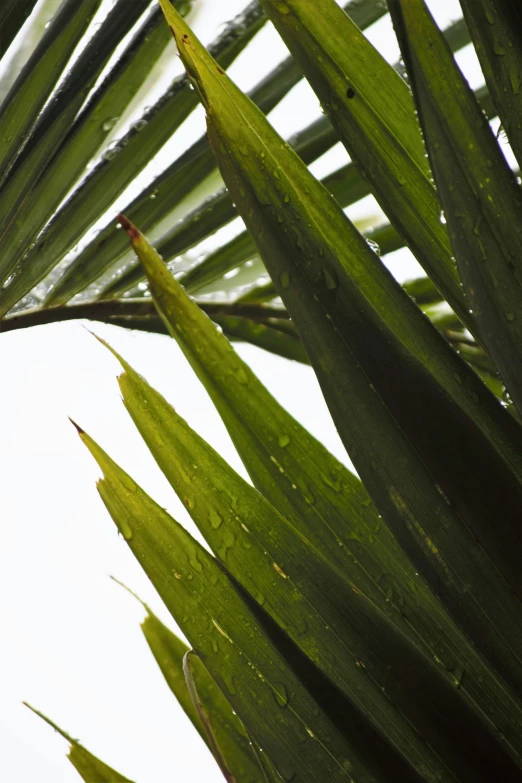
x=70, y=638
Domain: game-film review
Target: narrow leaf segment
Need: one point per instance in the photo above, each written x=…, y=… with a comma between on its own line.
x=481, y=197
x=296, y=729
x=371, y=108
x=319, y=495
x=90, y=768
x=345, y=304
x=233, y=742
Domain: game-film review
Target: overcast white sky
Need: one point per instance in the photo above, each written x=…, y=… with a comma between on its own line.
x=70, y=638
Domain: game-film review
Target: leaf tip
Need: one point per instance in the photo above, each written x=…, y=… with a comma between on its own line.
x=131, y=592
x=129, y=227
x=80, y=432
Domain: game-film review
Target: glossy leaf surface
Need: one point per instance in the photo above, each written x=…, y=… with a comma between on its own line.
x=331, y=271
x=484, y=211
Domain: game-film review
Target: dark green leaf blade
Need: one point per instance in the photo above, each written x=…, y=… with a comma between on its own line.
x=190, y=661
x=263, y=552
x=166, y=193
x=53, y=125
x=496, y=31
x=169, y=651
x=326, y=616
x=309, y=486
x=372, y=109
x=14, y=14
x=323, y=267
x=109, y=178
x=90, y=768
x=479, y=192
x=89, y=131
x=38, y=78
x=346, y=185
x=222, y=627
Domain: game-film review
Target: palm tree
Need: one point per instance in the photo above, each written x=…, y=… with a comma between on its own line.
x=365, y=629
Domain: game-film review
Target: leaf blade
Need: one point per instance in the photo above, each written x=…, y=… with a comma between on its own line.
x=38, y=77
x=310, y=487
x=168, y=190
x=309, y=599
x=377, y=126
x=89, y=767
x=169, y=651
x=482, y=199
x=211, y=613
x=315, y=276
x=108, y=179
x=497, y=36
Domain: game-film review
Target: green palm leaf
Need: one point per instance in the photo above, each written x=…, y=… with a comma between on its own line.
x=483, y=211
x=227, y=634
x=325, y=502
x=496, y=31
x=14, y=14
x=353, y=629
x=322, y=267
x=90, y=768
x=213, y=717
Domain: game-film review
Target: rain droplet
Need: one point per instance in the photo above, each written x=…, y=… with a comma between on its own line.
x=330, y=278
x=125, y=529
x=374, y=246
x=284, y=279
x=242, y=376
x=216, y=520
x=458, y=675
x=280, y=695
x=128, y=483
x=283, y=441
x=110, y=123
x=228, y=542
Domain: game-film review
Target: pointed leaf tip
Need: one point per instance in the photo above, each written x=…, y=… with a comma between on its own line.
x=51, y=723
x=127, y=226
x=78, y=430
x=131, y=592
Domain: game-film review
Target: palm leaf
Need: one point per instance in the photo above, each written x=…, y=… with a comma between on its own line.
x=90, y=768
x=203, y=703
x=227, y=634
x=191, y=169
x=38, y=78
x=484, y=212
x=116, y=170
x=313, y=490
x=14, y=14
x=350, y=645
x=319, y=275
x=496, y=32
x=63, y=225
x=24, y=266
